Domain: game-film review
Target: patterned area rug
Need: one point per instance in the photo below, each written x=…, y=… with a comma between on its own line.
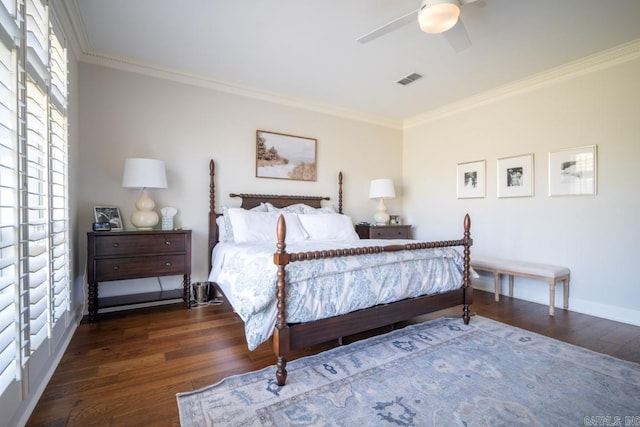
x=437, y=373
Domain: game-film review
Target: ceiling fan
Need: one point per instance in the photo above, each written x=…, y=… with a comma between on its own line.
x=434, y=17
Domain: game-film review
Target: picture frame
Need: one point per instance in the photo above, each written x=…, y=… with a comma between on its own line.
x=110, y=214
x=516, y=176
x=573, y=171
x=283, y=156
x=471, y=179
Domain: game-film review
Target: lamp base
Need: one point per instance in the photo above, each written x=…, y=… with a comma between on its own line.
x=381, y=216
x=145, y=218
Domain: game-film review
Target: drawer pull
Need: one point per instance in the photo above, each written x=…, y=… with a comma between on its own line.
x=168, y=243
x=116, y=267
x=116, y=245
x=167, y=264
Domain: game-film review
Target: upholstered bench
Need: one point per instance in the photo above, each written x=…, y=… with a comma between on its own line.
x=550, y=273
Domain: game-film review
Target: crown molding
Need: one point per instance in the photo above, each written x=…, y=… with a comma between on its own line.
x=135, y=66
x=606, y=59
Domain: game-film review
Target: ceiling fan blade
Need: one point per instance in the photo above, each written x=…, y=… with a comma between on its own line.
x=388, y=27
x=458, y=37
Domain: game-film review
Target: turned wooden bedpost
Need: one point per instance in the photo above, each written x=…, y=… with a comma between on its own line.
x=466, y=284
x=340, y=192
x=213, y=228
x=281, y=344
x=212, y=190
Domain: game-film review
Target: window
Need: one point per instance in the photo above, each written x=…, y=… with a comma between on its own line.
x=9, y=354
x=35, y=275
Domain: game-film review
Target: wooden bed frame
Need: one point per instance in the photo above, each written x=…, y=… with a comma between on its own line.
x=289, y=337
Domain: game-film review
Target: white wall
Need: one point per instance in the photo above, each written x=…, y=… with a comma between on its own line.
x=595, y=236
x=124, y=114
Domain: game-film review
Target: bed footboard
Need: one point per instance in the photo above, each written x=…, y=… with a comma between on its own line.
x=290, y=337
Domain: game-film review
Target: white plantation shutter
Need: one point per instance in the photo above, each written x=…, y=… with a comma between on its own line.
x=36, y=223
x=35, y=292
x=57, y=67
x=37, y=34
x=9, y=199
x=58, y=177
x=59, y=217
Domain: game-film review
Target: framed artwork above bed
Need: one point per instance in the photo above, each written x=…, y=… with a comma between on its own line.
x=283, y=156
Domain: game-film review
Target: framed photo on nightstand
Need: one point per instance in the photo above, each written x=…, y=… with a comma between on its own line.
x=110, y=214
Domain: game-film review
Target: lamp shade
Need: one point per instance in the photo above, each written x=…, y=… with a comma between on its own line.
x=144, y=173
x=382, y=189
x=438, y=16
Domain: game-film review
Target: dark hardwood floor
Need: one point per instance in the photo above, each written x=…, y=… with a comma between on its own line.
x=127, y=368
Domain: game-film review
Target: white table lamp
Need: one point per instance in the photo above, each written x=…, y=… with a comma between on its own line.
x=144, y=173
x=381, y=189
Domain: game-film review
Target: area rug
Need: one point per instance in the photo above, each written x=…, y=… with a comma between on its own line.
x=437, y=373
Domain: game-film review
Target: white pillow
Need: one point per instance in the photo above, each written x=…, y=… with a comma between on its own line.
x=329, y=227
x=298, y=208
x=327, y=209
x=262, y=207
x=225, y=228
x=225, y=233
x=301, y=208
x=250, y=226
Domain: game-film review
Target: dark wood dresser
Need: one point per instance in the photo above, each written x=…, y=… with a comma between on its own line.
x=137, y=254
x=383, y=231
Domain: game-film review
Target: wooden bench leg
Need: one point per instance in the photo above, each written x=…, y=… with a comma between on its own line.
x=496, y=279
x=552, y=296
x=511, y=285
x=566, y=293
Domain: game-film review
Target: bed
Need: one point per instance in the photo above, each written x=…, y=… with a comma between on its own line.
x=288, y=261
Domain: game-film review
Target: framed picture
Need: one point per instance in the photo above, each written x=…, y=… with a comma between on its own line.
x=110, y=214
x=515, y=176
x=471, y=179
x=285, y=156
x=573, y=172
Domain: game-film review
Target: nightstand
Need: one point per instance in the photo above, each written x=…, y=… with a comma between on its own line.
x=383, y=231
x=137, y=254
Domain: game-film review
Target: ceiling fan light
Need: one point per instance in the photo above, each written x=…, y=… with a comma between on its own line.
x=437, y=17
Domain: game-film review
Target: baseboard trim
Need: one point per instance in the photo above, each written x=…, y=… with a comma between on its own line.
x=540, y=295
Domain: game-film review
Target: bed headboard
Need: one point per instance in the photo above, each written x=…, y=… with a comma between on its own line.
x=252, y=200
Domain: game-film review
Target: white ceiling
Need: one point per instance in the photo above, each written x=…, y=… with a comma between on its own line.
x=307, y=50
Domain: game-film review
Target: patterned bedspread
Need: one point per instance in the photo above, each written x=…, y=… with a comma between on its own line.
x=319, y=289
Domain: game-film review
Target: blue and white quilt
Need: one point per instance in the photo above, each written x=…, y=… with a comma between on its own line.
x=319, y=289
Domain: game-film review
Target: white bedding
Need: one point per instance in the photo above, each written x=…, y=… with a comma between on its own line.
x=323, y=288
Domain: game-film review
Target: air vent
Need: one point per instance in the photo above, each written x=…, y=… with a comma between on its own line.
x=409, y=79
